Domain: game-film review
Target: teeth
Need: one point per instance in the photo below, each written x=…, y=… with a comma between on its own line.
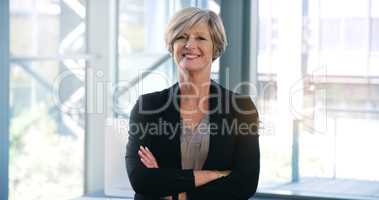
x=190, y=56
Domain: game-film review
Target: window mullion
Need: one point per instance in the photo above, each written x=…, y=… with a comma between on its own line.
x=4, y=100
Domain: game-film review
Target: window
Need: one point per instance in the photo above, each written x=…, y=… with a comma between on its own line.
x=47, y=93
x=141, y=44
x=375, y=31
x=317, y=95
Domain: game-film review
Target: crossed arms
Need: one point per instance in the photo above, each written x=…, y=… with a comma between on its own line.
x=147, y=178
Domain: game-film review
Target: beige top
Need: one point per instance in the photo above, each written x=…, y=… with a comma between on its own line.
x=194, y=145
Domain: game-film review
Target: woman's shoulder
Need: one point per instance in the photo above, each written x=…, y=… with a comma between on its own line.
x=237, y=99
x=241, y=104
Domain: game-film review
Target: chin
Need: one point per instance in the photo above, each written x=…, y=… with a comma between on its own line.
x=193, y=67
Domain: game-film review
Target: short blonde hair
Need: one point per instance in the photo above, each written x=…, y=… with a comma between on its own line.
x=187, y=18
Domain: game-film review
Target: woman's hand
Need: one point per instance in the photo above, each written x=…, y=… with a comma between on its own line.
x=147, y=157
x=203, y=177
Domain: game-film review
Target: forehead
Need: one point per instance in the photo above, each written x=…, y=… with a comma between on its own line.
x=201, y=28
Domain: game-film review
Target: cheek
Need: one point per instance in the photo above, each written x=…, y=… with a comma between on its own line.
x=176, y=50
x=210, y=52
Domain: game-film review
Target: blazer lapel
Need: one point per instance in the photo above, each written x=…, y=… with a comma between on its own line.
x=172, y=117
x=216, y=104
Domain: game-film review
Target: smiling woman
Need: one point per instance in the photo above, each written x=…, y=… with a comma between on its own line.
x=193, y=48
x=214, y=154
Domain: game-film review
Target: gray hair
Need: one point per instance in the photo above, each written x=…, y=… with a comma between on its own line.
x=187, y=18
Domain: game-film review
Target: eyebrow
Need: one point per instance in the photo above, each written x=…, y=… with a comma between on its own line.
x=197, y=33
x=201, y=32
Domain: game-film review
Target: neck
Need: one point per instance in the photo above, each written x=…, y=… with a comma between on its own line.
x=195, y=83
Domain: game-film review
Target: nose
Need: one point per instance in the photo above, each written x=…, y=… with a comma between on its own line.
x=190, y=43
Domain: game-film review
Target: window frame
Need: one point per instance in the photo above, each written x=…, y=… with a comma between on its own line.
x=4, y=94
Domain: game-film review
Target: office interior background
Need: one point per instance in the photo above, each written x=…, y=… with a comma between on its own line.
x=72, y=69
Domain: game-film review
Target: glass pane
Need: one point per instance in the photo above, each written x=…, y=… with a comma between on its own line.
x=52, y=27
x=374, y=47
x=47, y=131
x=347, y=35
x=375, y=35
x=155, y=80
x=356, y=34
x=141, y=35
x=343, y=8
x=264, y=33
x=330, y=34
x=332, y=147
x=268, y=37
x=375, y=8
x=344, y=46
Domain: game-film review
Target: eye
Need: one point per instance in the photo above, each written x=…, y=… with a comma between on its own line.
x=202, y=38
x=181, y=37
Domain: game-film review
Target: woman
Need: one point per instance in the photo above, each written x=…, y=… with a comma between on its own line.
x=196, y=139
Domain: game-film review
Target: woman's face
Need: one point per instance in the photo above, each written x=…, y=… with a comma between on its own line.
x=193, y=49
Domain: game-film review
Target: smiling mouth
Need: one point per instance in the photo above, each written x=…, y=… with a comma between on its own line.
x=190, y=56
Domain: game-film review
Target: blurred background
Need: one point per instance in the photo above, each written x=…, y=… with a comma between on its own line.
x=70, y=70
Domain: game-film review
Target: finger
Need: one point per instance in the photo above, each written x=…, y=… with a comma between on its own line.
x=146, y=163
x=148, y=152
x=144, y=156
x=141, y=154
x=145, y=152
x=142, y=148
x=148, y=156
x=151, y=157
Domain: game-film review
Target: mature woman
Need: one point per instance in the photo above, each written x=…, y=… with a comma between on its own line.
x=196, y=139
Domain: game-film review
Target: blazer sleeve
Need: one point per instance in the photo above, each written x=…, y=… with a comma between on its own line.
x=151, y=181
x=242, y=182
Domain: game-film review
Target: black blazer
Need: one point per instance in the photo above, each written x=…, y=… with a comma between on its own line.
x=155, y=122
